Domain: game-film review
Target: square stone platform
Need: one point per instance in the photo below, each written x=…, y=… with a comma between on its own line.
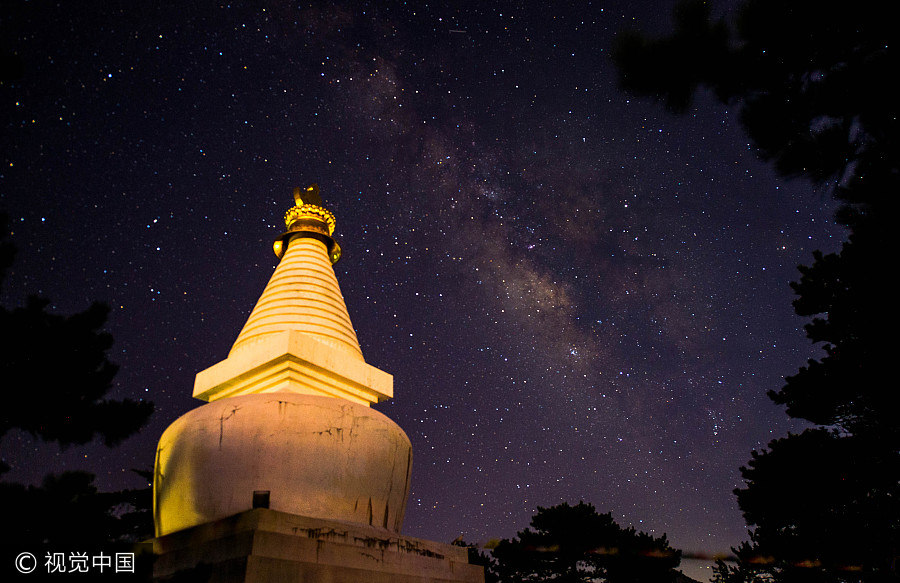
x=264, y=545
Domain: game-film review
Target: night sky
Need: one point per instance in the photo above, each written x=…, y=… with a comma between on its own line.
x=580, y=295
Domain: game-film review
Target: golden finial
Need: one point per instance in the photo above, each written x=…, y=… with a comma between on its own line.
x=309, y=195
x=309, y=218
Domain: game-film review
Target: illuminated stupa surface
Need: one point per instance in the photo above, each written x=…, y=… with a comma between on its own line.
x=288, y=420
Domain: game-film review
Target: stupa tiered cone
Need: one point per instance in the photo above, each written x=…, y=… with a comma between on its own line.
x=299, y=337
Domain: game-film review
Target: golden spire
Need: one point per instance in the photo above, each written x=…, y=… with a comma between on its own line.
x=308, y=218
x=299, y=337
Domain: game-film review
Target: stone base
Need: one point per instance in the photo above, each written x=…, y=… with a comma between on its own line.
x=265, y=545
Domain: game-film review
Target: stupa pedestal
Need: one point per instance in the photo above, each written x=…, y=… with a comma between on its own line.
x=287, y=474
x=266, y=546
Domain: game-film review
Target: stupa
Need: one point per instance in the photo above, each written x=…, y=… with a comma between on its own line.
x=287, y=474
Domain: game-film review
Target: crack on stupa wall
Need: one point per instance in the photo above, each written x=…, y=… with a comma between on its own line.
x=222, y=420
x=332, y=431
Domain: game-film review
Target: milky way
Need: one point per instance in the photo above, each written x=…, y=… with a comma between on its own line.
x=580, y=296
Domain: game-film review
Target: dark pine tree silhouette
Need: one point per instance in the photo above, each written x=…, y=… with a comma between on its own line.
x=56, y=377
x=56, y=373
x=568, y=544
x=813, y=84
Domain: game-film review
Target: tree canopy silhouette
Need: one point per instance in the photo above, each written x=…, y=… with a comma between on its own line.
x=812, y=81
x=56, y=377
x=57, y=373
x=813, y=84
x=574, y=543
